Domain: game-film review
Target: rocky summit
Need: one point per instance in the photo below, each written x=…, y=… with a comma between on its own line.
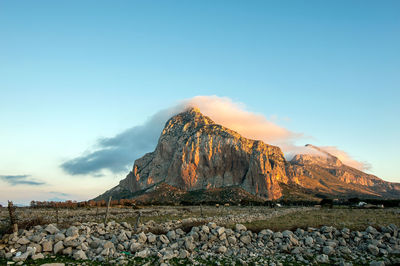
x=196, y=154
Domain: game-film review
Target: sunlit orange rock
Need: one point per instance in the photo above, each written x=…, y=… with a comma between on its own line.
x=195, y=153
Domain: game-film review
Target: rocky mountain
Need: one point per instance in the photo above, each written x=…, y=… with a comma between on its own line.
x=324, y=174
x=194, y=153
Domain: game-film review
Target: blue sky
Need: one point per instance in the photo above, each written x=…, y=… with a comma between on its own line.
x=72, y=72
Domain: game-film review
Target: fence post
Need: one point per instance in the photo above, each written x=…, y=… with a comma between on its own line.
x=57, y=215
x=108, y=207
x=137, y=222
x=11, y=211
x=97, y=214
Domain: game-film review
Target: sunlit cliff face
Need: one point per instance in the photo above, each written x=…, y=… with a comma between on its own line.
x=233, y=115
x=117, y=153
x=194, y=153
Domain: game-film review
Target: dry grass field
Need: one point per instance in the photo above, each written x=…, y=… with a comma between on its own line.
x=354, y=219
x=255, y=218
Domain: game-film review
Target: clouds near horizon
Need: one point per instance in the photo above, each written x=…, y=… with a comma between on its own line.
x=346, y=158
x=15, y=180
x=117, y=154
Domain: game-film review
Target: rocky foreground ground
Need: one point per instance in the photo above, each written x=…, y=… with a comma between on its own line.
x=117, y=243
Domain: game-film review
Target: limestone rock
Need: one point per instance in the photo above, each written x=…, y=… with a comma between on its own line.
x=377, y=263
x=222, y=249
x=171, y=235
x=303, y=170
x=328, y=250
x=23, y=241
x=322, y=258
x=232, y=240
x=309, y=241
x=245, y=239
x=373, y=249
x=38, y=256
x=20, y=257
x=183, y=254
x=51, y=229
x=194, y=152
x=47, y=246
x=59, y=237
x=58, y=247
x=142, y=238
x=135, y=246
x=220, y=231
x=144, y=253
x=80, y=255
x=72, y=232
x=240, y=227
x=67, y=251
x=109, y=245
x=371, y=230
x=205, y=229
x=164, y=239
x=151, y=238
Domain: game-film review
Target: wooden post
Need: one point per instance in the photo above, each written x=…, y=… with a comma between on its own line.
x=137, y=222
x=97, y=213
x=201, y=210
x=108, y=207
x=56, y=215
x=11, y=211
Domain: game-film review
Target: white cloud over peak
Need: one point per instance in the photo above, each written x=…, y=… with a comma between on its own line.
x=118, y=153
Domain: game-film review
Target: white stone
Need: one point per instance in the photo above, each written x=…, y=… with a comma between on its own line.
x=222, y=249
x=38, y=256
x=51, y=229
x=59, y=237
x=47, y=246
x=309, y=241
x=72, y=232
x=245, y=239
x=164, y=239
x=183, y=254
x=142, y=238
x=328, y=250
x=144, y=253
x=220, y=230
x=205, y=229
x=135, y=246
x=80, y=255
x=322, y=258
x=373, y=249
x=58, y=247
x=240, y=227
x=23, y=241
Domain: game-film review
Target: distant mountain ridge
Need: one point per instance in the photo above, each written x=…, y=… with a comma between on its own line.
x=326, y=174
x=194, y=153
